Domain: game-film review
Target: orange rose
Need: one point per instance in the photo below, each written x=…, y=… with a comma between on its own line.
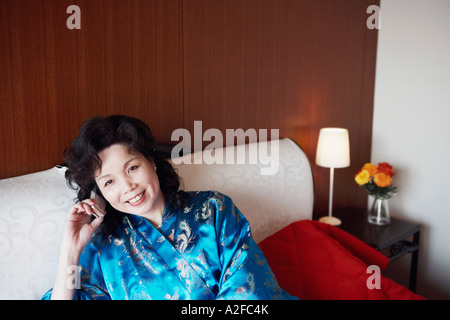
x=371, y=168
x=382, y=179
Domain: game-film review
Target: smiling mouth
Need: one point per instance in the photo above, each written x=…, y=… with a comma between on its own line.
x=137, y=199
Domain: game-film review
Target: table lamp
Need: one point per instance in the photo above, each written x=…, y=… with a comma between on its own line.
x=333, y=151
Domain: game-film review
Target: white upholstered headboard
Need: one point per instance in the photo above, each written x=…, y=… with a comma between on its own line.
x=34, y=207
x=269, y=202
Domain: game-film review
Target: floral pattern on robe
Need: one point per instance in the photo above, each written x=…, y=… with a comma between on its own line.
x=202, y=251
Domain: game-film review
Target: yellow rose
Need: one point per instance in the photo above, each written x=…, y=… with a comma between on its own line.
x=371, y=168
x=362, y=177
x=382, y=179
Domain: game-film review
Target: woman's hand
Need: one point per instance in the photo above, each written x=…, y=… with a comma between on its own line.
x=79, y=228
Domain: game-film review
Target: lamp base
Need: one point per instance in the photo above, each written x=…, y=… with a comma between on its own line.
x=331, y=220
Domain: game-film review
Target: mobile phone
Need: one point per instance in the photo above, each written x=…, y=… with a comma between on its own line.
x=99, y=206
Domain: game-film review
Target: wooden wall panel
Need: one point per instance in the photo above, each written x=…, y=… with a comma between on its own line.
x=295, y=65
x=127, y=58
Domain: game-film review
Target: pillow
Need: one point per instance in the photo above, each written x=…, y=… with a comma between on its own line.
x=310, y=262
x=33, y=211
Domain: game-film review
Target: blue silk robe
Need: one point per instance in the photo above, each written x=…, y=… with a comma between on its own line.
x=204, y=251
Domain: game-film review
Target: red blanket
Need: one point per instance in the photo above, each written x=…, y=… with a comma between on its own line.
x=312, y=260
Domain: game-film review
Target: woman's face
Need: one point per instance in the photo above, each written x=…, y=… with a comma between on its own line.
x=129, y=182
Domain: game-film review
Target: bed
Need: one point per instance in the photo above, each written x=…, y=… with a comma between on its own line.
x=310, y=260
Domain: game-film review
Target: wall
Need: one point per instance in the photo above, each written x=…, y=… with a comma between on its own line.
x=411, y=129
x=295, y=65
x=126, y=58
x=292, y=65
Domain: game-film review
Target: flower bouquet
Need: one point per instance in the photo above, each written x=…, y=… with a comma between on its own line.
x=377, y=180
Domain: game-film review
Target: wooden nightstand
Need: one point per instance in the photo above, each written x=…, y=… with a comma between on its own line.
x=391, y=238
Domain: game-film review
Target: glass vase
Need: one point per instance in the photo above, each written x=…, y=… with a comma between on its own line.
x=379, y=211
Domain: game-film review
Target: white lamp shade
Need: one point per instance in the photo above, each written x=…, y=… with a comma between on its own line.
x=333, y=148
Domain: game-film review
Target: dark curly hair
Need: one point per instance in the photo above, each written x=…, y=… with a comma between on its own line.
x=98, y=133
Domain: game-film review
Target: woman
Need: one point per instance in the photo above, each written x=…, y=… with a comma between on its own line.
x=154, y=241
